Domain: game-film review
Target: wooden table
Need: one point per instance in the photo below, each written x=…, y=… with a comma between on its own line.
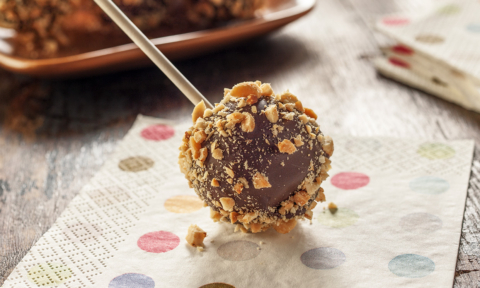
x=55, y=135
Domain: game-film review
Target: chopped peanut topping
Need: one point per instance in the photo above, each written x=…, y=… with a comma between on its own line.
x=245, y=89
x=247, y=218
x=248, y=124
x=200, y=124
x=272, y=113
x=252, y=99
x=288, y=97
x=217, y=154
x=266, y=89
x=290, y=107
x=283, y=227
x=289, y=205
x=207, y=113
x=229, y=172
x=195, y=148
x=233, y=217
x=227, y=203
x=195, y=236
x=313, y=205
x=215, y=183
x=198, y=111
x=256, y=227
x=215, y=215
x=286, y=146
x=328, y=145
x=203, y=154
x=199, y=136
x=321, y=196
x=309, y=215
x=218, y=108
x=301, y=198
x=298, y=140
x=303, y=118
x=260, y=181
x=299, y=106
x=235, y=117
x=238, y=188
x=310, y=113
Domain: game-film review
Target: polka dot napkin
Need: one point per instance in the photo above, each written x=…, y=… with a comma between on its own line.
x=400, y=209
x=438, y=51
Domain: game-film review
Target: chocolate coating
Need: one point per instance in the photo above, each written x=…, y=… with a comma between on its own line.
x=262, y=156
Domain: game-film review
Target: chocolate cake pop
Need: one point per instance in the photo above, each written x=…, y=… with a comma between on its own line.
x=257, y=159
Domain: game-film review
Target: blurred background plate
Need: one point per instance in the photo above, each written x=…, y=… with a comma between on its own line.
x=176, y=47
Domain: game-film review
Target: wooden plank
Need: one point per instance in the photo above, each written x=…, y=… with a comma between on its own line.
x=55, y=135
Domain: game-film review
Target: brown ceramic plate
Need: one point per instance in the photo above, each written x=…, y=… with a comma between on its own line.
x=180, y=46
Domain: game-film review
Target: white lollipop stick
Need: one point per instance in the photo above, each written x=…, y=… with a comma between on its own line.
x=152, y=52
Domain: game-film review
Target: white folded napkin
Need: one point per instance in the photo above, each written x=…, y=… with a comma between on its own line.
x=438, y=51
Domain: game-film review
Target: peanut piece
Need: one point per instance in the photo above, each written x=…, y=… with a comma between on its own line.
x=288, y=97
x=215, y=183
x=238, y=188
x=272, y=113
x=301, y=198
x=298, y=140
x=256, y=227
x=260, y=181
x=328, y=145
x=195, y=236
x=199, y=136
x=266, y=89
x=227, y=203
x=286, y=146
x=299, y=106
x=198, y=111
x=310, y=113
x=283, y=227
x=245, y=89
x=248, y=124
x=233, y=217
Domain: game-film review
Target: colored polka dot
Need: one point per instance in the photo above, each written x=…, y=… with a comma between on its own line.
x=239, y=250
x=411, y=266
x=342, y=217
x=82, y=232
x=183, y=204
x=401, y=49
x=131, y=280
x=474, y=27
x=350, y=180
x=429, y=185
x=136, y=164
x=429, y=39
x=49, y=274
x=323, y=258
x=158, y=132
x=217, y=285
x=450, y=9
x=398, y=62
x=395, y=21
x=435, y=151
x=158, y=242
x=420, y=223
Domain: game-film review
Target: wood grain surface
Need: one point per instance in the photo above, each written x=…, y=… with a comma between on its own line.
x=55, y=135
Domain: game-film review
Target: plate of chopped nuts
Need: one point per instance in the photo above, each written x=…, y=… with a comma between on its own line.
x=80, y=40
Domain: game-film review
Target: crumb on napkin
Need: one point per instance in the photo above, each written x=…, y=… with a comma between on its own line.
x=195, y=236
